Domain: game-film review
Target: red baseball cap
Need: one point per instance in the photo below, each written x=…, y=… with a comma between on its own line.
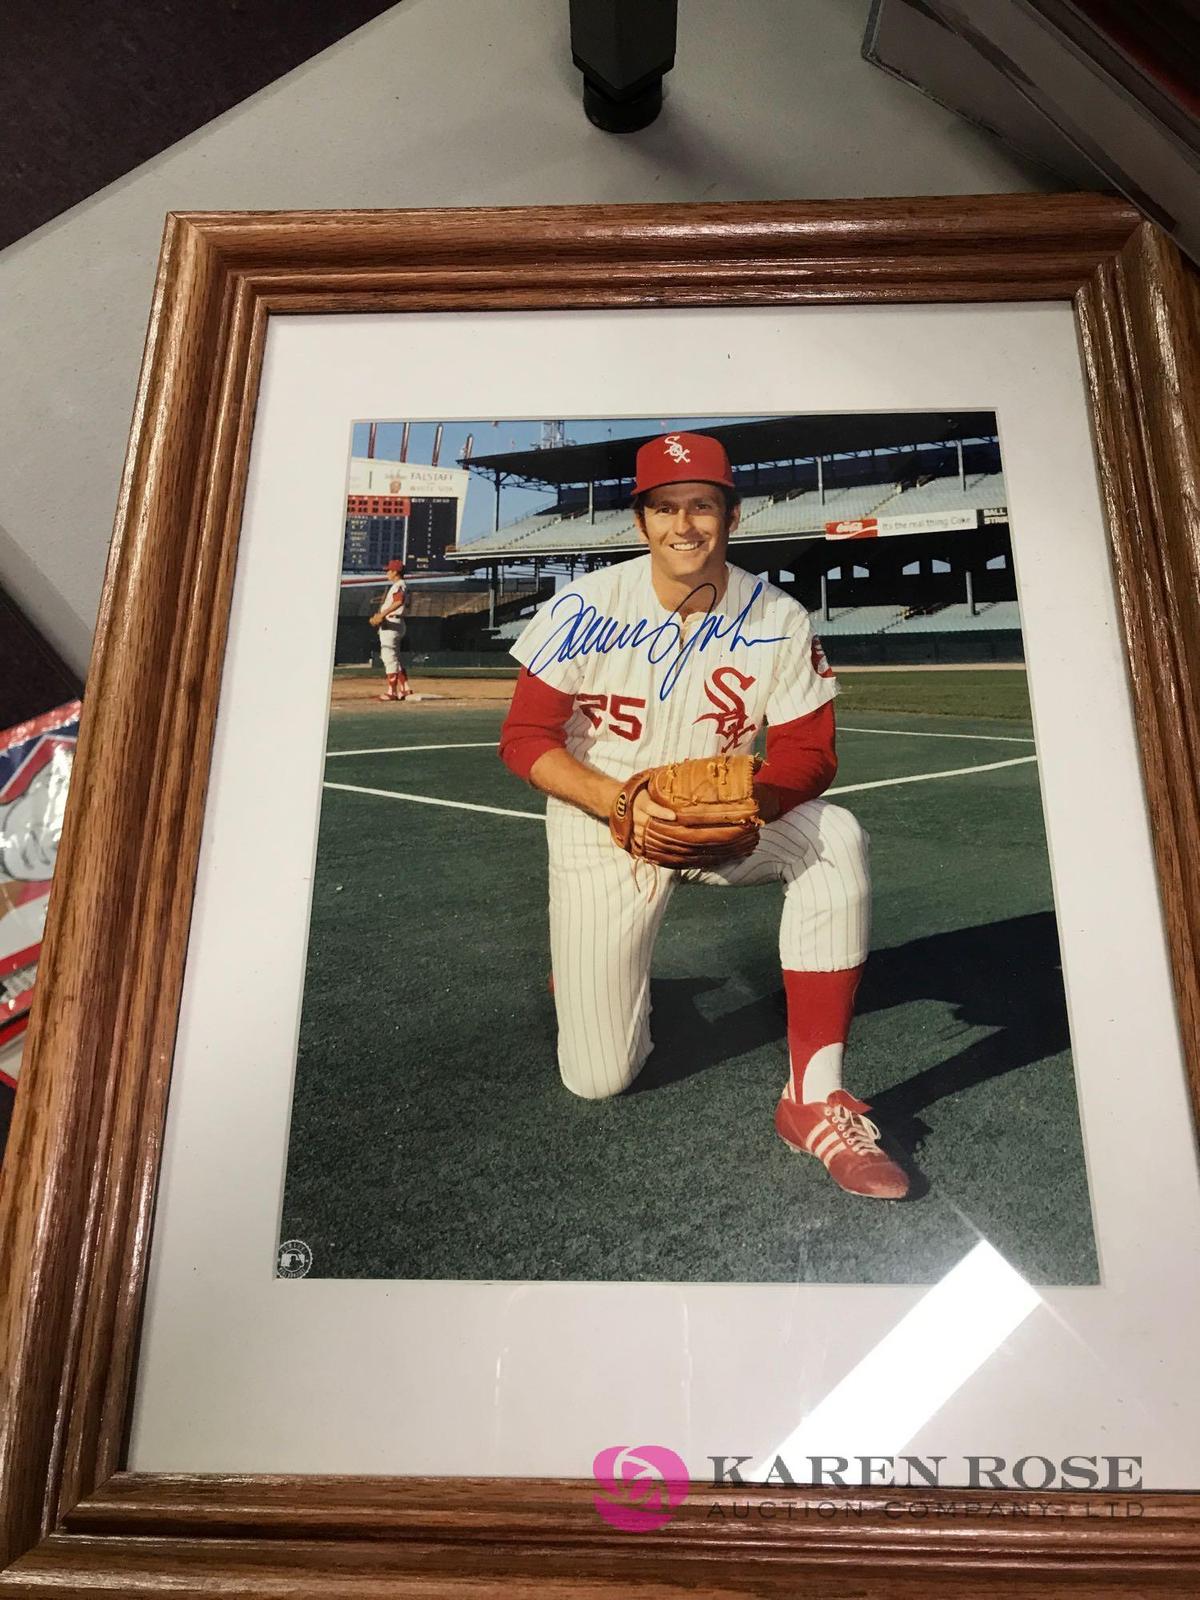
x=682, y=458
x=395, y=566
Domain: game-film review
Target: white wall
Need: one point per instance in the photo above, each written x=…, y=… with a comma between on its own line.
x=438, y=102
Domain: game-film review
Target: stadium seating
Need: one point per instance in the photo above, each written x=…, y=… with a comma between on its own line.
x=612, y=527
x=984, y=489
x=807, y=513
x=508, y=631
x=753, y=504
x=856, y=619
x=548, y=531
x=958, y=619
x=525, y=529
x=762, y=516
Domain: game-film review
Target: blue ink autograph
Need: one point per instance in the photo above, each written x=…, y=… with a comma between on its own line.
x=584, y=631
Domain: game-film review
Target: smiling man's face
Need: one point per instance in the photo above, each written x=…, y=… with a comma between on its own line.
x=687, y=529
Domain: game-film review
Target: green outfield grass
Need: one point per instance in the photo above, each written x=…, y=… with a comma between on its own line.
x=990, y=693
x=431, y=1137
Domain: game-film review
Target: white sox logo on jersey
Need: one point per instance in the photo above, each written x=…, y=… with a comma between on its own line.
x=733, y=723
x=675, y=450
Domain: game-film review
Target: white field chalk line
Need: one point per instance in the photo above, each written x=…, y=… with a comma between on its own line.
x=540, y=816
x=927, y=777
x=399, y=749
x=917, y=733
x=426, y=800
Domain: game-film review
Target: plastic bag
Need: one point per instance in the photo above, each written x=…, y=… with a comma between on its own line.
x=35, y=770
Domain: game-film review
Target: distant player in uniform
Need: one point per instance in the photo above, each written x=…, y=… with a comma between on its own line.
x=389, y=619
x=652, y=661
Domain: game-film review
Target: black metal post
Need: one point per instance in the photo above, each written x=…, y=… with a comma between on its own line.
x=623, y=48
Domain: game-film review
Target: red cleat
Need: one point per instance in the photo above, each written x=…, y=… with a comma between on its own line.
x=840, y=1135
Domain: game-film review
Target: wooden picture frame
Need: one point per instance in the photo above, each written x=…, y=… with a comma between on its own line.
x=79, y=1179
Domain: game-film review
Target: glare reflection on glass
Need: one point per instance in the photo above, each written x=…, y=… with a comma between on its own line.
x=881, y=1404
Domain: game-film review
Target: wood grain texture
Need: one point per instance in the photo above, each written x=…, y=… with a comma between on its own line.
x=994, y=247
x=547, y=1513
x=376, y=1536
x=86, y=1141
x=439, y=1537
x=1143, y=361
x=360, y=1569
x=64, y=1136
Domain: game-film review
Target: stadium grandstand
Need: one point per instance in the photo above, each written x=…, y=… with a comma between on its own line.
x=892, y=529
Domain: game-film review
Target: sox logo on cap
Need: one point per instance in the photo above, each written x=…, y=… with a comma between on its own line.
x=682, y=458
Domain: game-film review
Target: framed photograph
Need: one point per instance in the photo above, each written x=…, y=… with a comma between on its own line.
x=423, y=1177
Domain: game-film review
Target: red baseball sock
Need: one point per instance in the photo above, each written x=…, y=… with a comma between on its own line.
x=819, y=1008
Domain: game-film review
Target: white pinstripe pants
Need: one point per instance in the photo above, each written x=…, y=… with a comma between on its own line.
x=603, y=924
x=391, y=638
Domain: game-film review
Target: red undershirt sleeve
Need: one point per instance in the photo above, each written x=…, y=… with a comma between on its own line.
x=801, y=757
x=536, y=722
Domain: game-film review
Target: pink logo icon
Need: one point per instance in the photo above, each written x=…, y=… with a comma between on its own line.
x=641, y=1486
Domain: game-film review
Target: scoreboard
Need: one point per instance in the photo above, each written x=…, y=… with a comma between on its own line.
x=401, y=511
x=429, y=527
x=432, y=526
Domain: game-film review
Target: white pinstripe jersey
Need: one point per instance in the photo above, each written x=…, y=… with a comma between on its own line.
x=651, y=688
x=397, y=591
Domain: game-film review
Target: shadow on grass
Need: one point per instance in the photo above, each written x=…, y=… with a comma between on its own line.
x=687, y=1042
x=1004, y=976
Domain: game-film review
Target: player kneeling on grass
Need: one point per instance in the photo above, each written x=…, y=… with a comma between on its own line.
x=641, y=691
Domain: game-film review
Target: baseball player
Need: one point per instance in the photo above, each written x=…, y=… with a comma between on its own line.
x=646, y=675
x=389, y=619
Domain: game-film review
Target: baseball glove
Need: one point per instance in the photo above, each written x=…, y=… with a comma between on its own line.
x=375, y=619
x=716, y=814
